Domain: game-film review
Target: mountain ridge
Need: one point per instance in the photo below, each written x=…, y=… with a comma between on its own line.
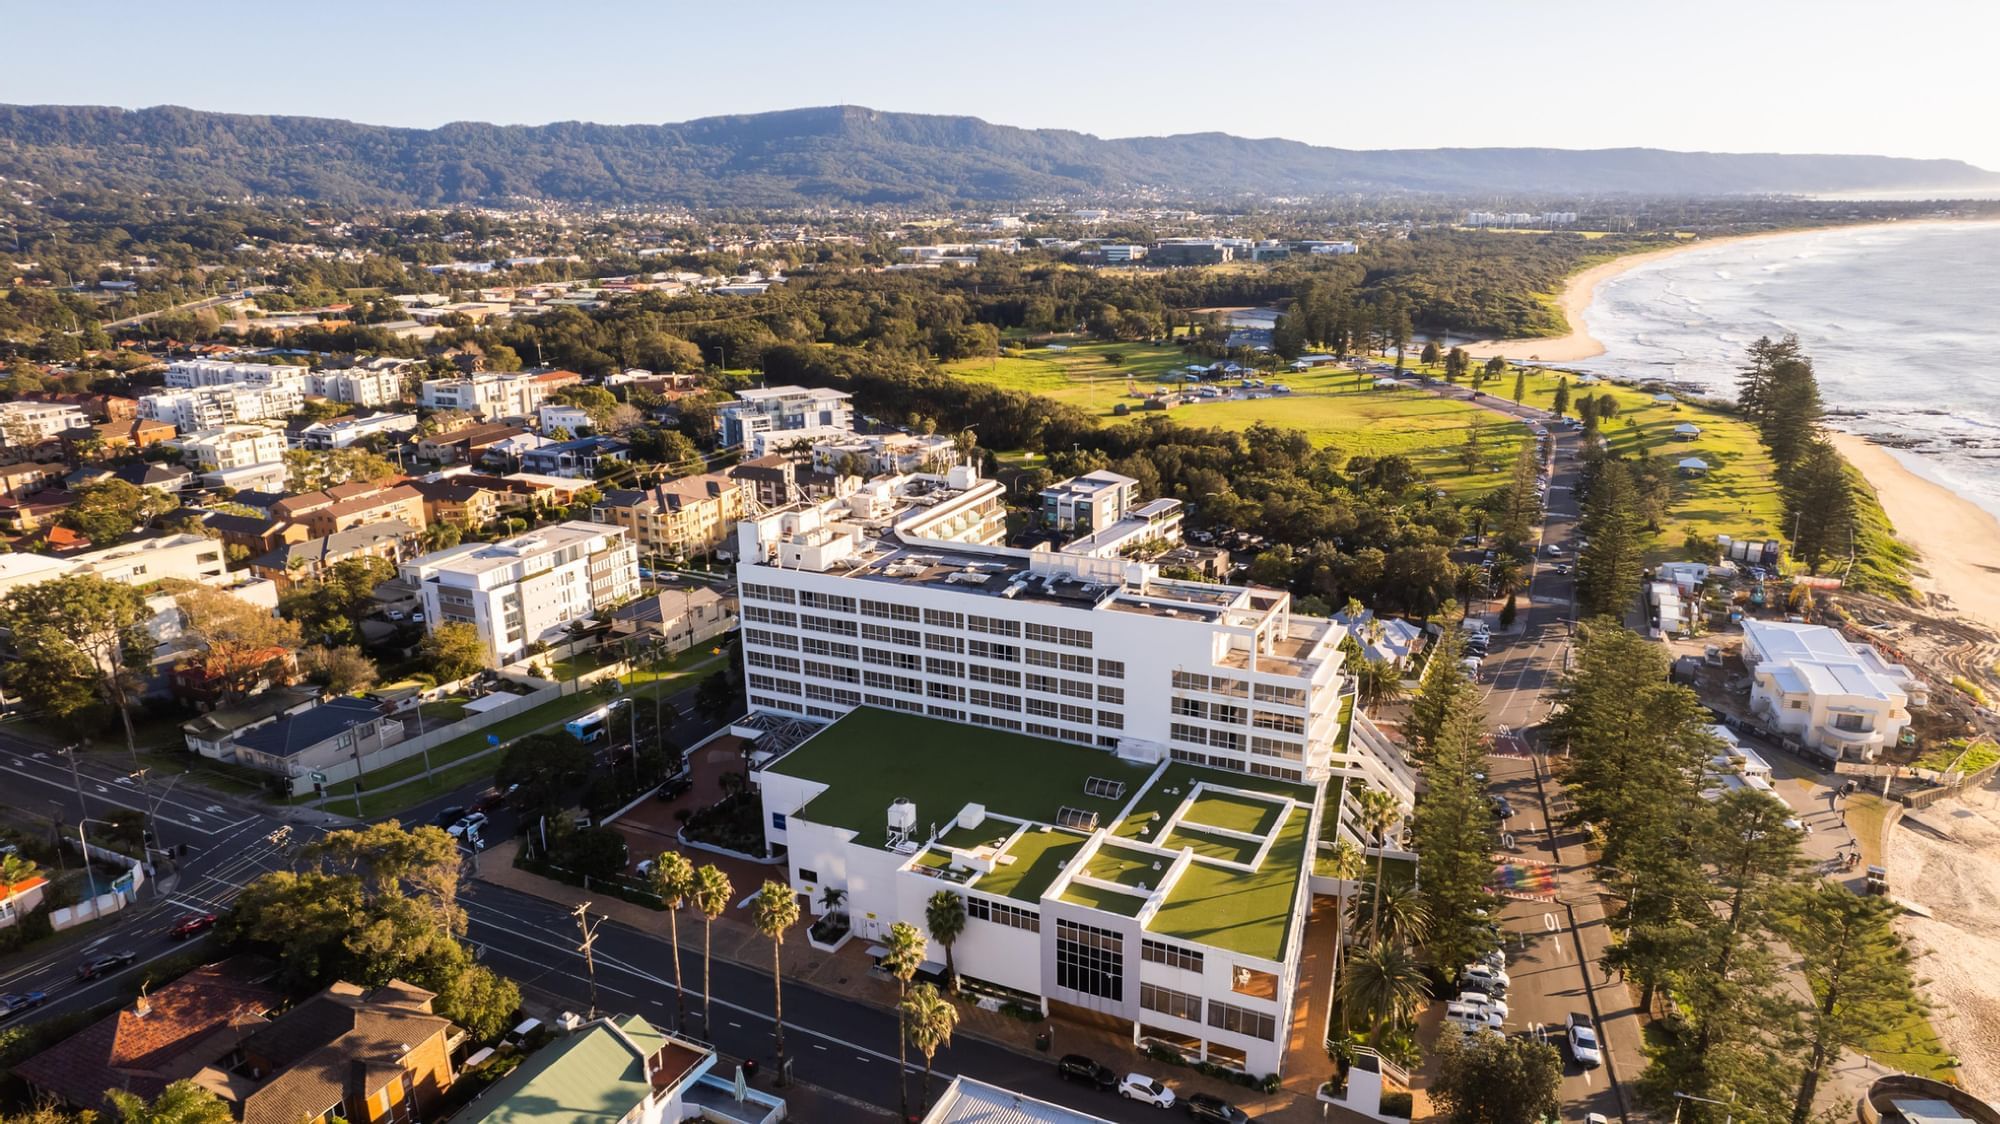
x=846, y=154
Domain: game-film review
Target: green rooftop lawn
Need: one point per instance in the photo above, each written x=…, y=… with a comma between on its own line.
x=1213, y=846
x=1127, y=867
x=1110, y=901
x=1231, y=812
x=1329, y=809
x=992, y=832
x=1247, y=913
x=871, y=756
x=1039, y=856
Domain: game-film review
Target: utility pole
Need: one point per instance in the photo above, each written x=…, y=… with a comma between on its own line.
x=588, y=932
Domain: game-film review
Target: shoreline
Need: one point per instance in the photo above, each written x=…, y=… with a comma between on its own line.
x=1958, y=542
x=1580, y=290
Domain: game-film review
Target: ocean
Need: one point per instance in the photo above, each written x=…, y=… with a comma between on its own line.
x=1902, y=324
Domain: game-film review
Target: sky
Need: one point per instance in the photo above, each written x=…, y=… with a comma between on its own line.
x=1910, y=78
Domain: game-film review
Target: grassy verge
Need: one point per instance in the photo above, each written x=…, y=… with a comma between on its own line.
x=218, y=775
x=1911, y=1044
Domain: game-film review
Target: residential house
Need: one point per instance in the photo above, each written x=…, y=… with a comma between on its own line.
x=678, y=617
x=19, y=568
x=684, y=517
x=401, y=502
x=170, y=479
x=19, y=480
x=309, y=559
x=184, y=374
x=144, y=561
x=34, y=511
x=361, y=385
x=335, y=731
x=885, y=454
x=1842, y=699
x=464, y=445
x=970, y=1101
x=578, y=458
x=612, y=1070
x=251, y=535
x=123, y=435
x=570, y=420
x=526, y=589
x=452, y=501
x=211, y=734
x=1390, y=640
x=492, y=396
x=366, y=1057
x=249, y=478
x=170, y=1033
x=21, y=899
x=773, y=480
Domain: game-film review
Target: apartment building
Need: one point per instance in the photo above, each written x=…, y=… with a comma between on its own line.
x=679, y=518
x=621, y=1068
x=402, y=503
x=186, y=374
x=781, y=409
x=214, y=406
x=1842, y=699
x=490, y=396
x=343, y=432
x=232, y=446
x=26, y=424
x=361, y=386
x=144, y=561
x=571, y=420
x=523, y=590
x=884, y=454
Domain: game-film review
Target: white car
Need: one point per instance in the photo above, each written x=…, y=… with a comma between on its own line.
x=470, y=825
x=1481, y=999
x=1583, y=1045
x=1147, y=1090
x=1484, y=977
x=1555, y=550
x=1472, y=1017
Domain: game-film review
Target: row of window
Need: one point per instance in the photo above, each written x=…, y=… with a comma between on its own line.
x=1167, y=1001
x=1173, y=956
x=1000, y=913
x=772, y=593
x=1090, y=960
x=1241, y=1020
x=1226, y=713
x=828, y=601
x=757, y=614
x=770, y=639
x=1198, y=735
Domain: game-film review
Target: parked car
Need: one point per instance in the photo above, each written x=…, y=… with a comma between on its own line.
x=469, y=825
x=1555, y=551
x=1481, y=999
x=192, y=925
x=13, y=1003
x=1146, y=1090
x=1206, y=1106
x=450, y=815
x=1485, y=977
x=490, y=801
x=675, y=786
x=1472, y=1017
x=1503, y=808
x=1077, y=1067
x=108, y=962
x=1583, y=1044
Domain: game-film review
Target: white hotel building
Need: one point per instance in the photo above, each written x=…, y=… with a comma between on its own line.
x=1215, y=709
x=518, y=591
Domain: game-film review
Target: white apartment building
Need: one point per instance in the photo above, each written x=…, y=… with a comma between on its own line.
x=780, y=408
x=211, y=407
x=489, y=396
x=232, y=446
x=144, y=561
x=346, y=431
x=1842, y=699
x=522, y=590
x=31, y=423
x=885, y=454
x=188, y=374
x=571, y=419
x=362, y=386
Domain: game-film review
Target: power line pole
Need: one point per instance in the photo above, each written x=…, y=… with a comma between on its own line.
x=588, y=933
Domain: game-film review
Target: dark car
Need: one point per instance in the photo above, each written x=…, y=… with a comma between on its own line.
x=99, y=965
x=450, y=816
x=675, y=786
x=1205, y=1106
x=1076, y=1067
x=1503, y=808
x=193, y=924
x=490, y=802
x=14, y=1003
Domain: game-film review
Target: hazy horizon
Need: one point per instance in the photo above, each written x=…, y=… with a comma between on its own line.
x=1784, y=76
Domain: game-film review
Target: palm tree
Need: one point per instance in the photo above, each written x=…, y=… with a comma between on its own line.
x=944, y=915
x=1385, y=982
x=182, y=1102
x=905, y=956
x=1404, y=912
x=929, y=1018
x=672, y=880
x=1379, y=812
x=1343, y=863
x=776, y=910
x=711, y=895
x=1377, y=683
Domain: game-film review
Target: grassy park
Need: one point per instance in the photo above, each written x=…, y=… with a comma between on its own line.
x=1332, y=406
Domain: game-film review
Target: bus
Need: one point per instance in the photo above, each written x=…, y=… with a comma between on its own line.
x=589, y=727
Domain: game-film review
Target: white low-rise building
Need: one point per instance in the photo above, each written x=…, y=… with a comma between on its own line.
x=213, y=406
x=232, y=446
x=341, y=433
x=271, y=476
x=24, y=424
x=375, y=384
x=488, y=396
x=144, y=561
x=185, y=374
x=778, y=409
x=523, y=590
x=1842, y=699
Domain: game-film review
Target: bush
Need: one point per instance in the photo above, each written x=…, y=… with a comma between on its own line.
x=1022, y=1012
x=736, y=823
x=1396, y=1104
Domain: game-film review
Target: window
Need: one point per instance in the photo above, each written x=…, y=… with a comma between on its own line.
x=950, y=669
x=1110, y=720
x=833, y=695
x=951, y=714
x=978, y=719
x=767, y=683
x=1188, y=681
x=811, y=876
x=1234, y=688
x=1253, y=982
x=1241, y=1020
x=1173, y=956
x=995, y=700
x=1853, y=723
x=1073, y=689
x=771, y=639
x=1285, y=696
x=1112, y=695
x=1167, y=1001
x=1189, y=708
x=1183, y=732
x=827, y=601
x=761, y=615
x=1090, y=960
x=1000, y=913
x=1046, y=684
x=1042, y=633
x=939, y=642
x=1226, y=714
x=907, y=637
x=996, y=675
x=777, y=821
x=1283, y=723
x=992, y=626
x=1036, y=657
x=998, y=653
x=826, y=624
x=1076, y=665
x=1272, y=747
x=1075, y=638
x=941, y=619
x=814, y=646
x=832, y=671
x=949, y=692
x=1262, y=769
x=770, y=662
x=875, y=609
x=766, y=593
x=1111, y=669
x=1079, y=714
x=1226, y=739
x=1041, y=708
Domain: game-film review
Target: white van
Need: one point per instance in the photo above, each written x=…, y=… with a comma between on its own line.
x=1472, y=1018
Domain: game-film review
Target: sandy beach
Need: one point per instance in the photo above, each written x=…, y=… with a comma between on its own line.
x=1959, y=540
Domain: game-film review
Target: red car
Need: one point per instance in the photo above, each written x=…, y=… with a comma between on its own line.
x=192, y=925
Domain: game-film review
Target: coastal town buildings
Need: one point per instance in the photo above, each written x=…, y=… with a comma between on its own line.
x=1842, y=699
x=523, y=590
x=794, y=410
x=677, y=518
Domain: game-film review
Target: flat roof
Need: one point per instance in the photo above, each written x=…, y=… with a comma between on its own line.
x=1224, y=898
